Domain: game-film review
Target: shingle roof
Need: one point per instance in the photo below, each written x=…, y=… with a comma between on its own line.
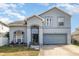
x=21, y=22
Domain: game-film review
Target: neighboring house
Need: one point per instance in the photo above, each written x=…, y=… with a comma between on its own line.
x=50, y=27
x=75, y=35
x=4, y=28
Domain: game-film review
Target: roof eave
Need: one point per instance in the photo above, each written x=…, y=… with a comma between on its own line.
x=56, y=8
x=35, y=16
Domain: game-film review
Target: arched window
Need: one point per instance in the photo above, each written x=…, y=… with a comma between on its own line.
x=18, y=36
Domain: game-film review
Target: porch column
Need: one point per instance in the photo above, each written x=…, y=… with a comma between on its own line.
x=28, y=35
x=40, y=36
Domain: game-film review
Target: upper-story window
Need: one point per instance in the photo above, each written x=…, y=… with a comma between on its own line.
x=48, y=20
x=61, y=21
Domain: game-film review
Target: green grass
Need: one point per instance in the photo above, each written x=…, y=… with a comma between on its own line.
x=17, y=51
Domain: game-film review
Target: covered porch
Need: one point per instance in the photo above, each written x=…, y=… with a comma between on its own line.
x=34, y=31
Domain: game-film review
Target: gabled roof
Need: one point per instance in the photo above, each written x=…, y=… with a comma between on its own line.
x=55, y=8
x=4, y=24
x=36, y=16
x=22, y=22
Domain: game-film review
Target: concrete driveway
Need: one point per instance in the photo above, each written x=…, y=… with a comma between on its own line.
x=59, y=50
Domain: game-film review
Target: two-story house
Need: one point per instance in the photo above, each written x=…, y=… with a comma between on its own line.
x=50, y=27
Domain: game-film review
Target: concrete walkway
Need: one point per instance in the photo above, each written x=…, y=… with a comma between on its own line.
x=59, y=50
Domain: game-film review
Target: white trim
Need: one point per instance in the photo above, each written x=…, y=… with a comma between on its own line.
x=54, y=8
x=35, y=16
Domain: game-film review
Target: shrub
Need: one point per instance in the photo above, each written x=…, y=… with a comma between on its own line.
x=12, y=43
x=75, y=42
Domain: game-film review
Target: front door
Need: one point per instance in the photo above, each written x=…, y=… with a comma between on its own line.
x=35, y=39
x=35, y=35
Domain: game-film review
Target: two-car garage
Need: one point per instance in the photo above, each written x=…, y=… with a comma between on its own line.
x=50, y=39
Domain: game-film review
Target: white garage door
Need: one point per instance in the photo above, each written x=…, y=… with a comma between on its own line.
x=55, y=39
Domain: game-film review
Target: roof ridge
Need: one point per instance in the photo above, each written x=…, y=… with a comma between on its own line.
x=53, y=8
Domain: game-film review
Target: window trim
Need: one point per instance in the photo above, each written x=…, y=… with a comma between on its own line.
x=48, y=20
x=61, y=23
x=58, y=21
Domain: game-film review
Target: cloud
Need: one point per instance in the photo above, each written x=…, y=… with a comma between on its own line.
x=23, y=11
x=76, y=10
x=5, y=20
x=12, y=13
x=66, y=6
x=71, y=8
x=11, y=10
x=7, y=5
x=18, y=15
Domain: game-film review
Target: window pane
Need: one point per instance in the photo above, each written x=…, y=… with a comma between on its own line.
x=47, y=21
x=61, y=23
x=61, y=19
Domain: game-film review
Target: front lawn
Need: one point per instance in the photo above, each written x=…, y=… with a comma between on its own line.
x=17, y=51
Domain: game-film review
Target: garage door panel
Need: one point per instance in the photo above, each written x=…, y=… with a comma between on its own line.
x=54, y=39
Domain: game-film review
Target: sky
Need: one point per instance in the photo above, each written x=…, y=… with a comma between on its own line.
x=11, y=12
